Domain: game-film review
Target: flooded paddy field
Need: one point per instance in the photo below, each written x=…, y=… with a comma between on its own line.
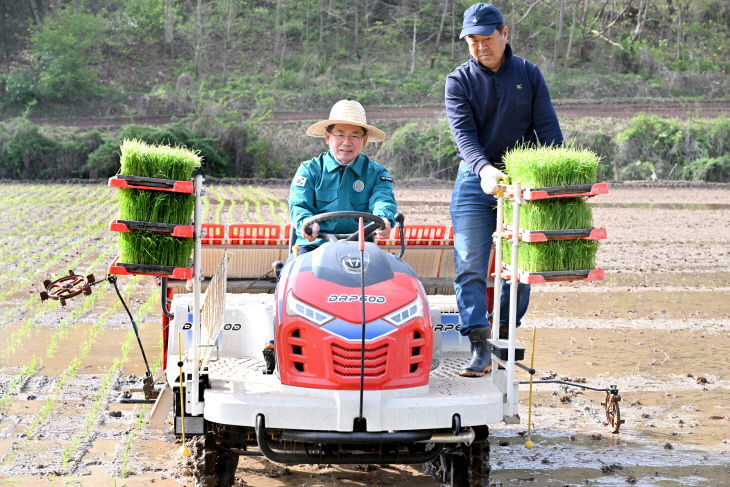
x=658, y=327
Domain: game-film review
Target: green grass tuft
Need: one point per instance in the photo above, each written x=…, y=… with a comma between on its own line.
x=154, y=249
x=155, y=206
x=551, y=166
x=551, y=214
x=158, y=161
x=554, y=255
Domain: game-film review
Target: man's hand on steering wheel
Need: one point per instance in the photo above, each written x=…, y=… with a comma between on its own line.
x=385, y=231
x=312, y=236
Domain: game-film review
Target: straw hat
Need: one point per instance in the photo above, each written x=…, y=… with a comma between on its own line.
x=347, y=112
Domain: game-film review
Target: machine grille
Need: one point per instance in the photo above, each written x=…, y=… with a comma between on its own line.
x=346, y=360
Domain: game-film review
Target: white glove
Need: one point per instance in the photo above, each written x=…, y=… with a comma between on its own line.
x=489, y=176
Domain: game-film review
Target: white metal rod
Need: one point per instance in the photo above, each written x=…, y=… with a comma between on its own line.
x=498, y=267
x=196, y=406
x=511, y=399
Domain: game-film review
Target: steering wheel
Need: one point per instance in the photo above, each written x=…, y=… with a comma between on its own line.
x=376, y=223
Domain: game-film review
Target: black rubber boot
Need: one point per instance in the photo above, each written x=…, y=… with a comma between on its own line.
x=481, y=358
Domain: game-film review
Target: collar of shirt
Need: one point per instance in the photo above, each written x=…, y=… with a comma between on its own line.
x=507, y=57
x=331, y=164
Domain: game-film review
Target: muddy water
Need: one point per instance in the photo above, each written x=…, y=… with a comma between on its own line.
x=658, y=327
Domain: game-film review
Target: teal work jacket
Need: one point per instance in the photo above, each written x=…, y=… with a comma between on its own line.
x=316, y=188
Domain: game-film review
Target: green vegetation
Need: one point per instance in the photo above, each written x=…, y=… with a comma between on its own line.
x=552, y=214
x=553, y=255
x=698, y=147
x=28, y=151
x=695, y=149
x=157, y=161
x=550, y=166
x=180, y=58
x=154, y=249
x=155, y=206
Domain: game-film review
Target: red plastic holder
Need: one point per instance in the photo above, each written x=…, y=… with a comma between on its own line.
x=560, y=191
x=422, y=235
x=184, y=231
x=124, y=269
x=212, y=233
x=254, y=234
x=553, y=276
x=564, y=234
x=155, y=184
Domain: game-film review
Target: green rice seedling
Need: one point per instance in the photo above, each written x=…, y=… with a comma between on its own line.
x=551, y=166
x=155, y=206
x=551, y=214
x=154, y=249
x=554, y=255
x=158, y=161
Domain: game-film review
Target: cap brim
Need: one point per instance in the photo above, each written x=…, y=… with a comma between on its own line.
x=318, y=129
x=480, y=30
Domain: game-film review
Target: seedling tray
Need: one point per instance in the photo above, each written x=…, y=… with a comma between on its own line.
x=552, y=276
x=125, y=269
x=560, y=191
x=185, y=231
x=564, y=234
x=157, y=184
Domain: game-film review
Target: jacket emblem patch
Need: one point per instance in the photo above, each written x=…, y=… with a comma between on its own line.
x=300, y=181
x=358, y=185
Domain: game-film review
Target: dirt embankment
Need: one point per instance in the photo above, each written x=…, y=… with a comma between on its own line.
x=607, y=109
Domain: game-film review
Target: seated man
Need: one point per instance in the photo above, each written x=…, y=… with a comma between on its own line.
x=341, y=179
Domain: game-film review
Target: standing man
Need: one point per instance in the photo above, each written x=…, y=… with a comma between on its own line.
x=341, y=179
x=494, y=101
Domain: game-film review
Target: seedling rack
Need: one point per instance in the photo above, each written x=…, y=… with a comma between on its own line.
x=507, y=352
x=187, y=231
x=139, y=182
x=571, y=191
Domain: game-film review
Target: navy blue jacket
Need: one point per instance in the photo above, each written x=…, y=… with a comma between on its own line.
x=490, y=113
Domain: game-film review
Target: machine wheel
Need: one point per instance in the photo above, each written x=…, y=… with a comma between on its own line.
x=613, y=411
x=225, y=468
x=466, y=466
x=211, y=465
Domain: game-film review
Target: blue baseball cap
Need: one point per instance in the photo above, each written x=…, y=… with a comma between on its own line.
x=480, y=19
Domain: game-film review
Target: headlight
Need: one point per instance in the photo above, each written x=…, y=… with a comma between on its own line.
x=406, y=313
x=294, y=307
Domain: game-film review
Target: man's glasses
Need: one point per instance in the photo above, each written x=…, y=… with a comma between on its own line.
x=354, y=138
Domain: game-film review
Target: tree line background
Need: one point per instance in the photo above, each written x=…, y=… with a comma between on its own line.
x=221, y=66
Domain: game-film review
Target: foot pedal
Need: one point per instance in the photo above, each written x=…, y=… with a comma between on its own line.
x=501, y=348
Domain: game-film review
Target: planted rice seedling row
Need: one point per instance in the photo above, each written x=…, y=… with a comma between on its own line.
x=101, y=399
x=219, y=199
x=93, y=224
x=23, y=279
x=59, y=334
x=33, y=299
x=15, y=194
x=43, y=414
x=33, y=218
